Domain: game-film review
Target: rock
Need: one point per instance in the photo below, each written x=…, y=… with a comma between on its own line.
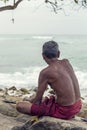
x=10, y=98
x=6, y=91
x=18, y=128
x=83, y=112
x=30, y=97
x=12, y=91
x=11, y=119
x=12, y=88
x=52, y=92
x=27, y=124
x=22, y=118
x=1, y=92
x=7, y=123
x=24, y=91
x=1, y=89
x=49, y=92
x=35, y=89
x=7, y=107
x=50, y=123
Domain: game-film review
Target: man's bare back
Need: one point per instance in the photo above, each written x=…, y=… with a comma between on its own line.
x=63, y=81
x=60, y=75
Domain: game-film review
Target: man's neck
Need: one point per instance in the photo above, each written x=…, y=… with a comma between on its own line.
x=51, y=61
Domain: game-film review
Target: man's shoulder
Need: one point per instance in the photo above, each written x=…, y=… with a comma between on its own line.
x=66, y=60
x=46, y=70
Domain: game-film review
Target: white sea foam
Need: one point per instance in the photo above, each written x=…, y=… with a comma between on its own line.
x=28, y=77
x=42, y=37
x=82, y=78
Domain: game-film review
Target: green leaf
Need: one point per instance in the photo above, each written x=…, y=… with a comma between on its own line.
x=85, y=1
x=5, y=1
x=76, y=1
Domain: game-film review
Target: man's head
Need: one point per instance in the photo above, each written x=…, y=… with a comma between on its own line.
x=51, y=49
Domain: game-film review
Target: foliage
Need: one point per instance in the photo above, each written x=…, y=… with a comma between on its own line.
x=4, y=1
x=55, y=4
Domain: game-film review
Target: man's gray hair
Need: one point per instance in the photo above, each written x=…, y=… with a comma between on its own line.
x=51, y=49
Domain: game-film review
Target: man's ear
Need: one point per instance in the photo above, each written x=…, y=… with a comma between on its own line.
x=58, y=54
x=43, y=56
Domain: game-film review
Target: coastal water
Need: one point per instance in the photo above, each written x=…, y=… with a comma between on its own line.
x=21, y=60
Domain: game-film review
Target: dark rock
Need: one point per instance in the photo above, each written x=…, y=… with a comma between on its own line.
x=52, y=92
x=83, y=112
x=8, y=110
x=50, y=123
x=12, y=88
x=24, y=90
x=22, y=118
x=35, y=89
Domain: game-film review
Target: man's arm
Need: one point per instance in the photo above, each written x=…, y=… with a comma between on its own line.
x=42, y=85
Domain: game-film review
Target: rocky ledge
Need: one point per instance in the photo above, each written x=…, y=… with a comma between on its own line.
x=50, y=123
x=10, y=119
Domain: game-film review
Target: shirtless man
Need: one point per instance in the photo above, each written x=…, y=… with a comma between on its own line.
x=60, y=75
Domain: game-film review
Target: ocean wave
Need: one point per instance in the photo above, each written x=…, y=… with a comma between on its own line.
x=27, y=37
x=82, y=78
x=11, y=38
x=28, y=77
x=42, y=37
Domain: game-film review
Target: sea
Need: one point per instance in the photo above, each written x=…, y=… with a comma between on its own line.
x=21, y=58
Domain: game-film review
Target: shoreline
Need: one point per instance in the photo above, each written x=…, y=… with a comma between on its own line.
x=25, y=92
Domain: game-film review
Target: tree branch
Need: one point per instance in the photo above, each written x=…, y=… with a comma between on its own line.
x=11, y=7
x=55, y=4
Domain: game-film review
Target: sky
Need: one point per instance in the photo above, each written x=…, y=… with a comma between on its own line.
x=36, y=17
